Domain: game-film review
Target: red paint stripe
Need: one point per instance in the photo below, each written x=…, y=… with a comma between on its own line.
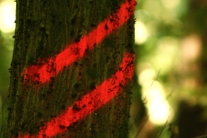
x=92, y=101
x=73, y=52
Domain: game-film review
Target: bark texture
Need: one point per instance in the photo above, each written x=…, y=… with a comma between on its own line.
x=43, y=29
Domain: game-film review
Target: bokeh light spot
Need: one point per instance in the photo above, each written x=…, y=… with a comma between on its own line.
x=7, y=16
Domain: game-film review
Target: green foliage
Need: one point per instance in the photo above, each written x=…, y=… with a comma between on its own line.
x=167, y=24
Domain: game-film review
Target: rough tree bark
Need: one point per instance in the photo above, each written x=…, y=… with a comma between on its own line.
x=46, y=28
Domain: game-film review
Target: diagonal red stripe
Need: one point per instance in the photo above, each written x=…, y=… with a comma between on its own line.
x=92, y=101
x=73, y=52
x=97, y=97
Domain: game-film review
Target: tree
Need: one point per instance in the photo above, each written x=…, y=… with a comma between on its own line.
x=71, y=69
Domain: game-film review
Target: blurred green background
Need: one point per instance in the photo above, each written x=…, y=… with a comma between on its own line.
x=171, y=50
x=7, y=26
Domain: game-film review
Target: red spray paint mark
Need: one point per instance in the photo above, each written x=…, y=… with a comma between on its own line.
x=92, y=101
x=43, y=73
x=103, y=93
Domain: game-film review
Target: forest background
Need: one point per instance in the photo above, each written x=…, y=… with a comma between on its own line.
x=170, y=39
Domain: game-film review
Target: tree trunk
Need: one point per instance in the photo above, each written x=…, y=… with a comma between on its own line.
x=71, y=69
